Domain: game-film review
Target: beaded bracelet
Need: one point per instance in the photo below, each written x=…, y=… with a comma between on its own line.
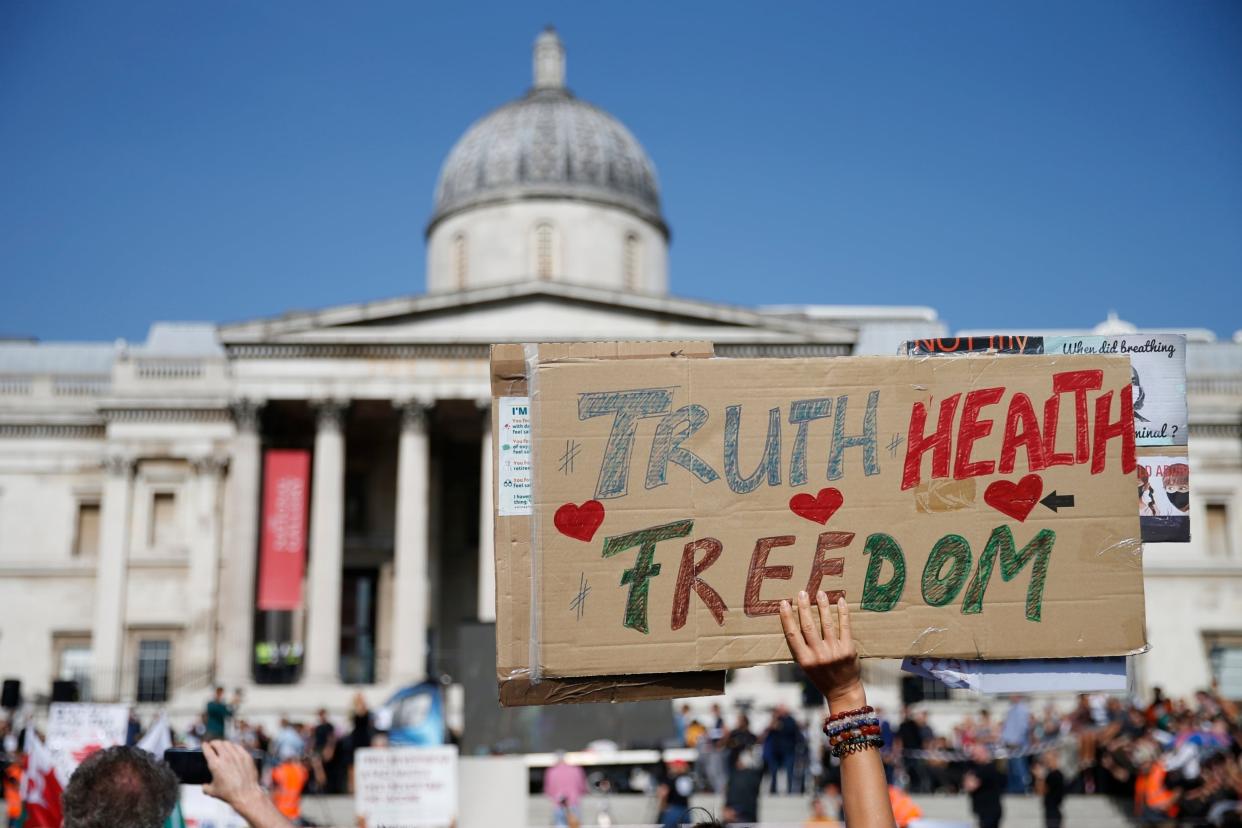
x=860, y=711
x=842, y=725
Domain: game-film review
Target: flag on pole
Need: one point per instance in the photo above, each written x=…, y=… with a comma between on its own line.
x=41, y=789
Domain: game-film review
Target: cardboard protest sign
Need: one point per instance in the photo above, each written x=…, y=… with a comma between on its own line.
x=406, y=787
x=75, y=731
x=934, y=494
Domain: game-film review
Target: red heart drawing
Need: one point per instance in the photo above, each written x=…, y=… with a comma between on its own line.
x=579, y=522
x=1015, y=499
x=819, y=507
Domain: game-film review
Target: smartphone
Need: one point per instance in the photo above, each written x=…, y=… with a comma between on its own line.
x=189, y=765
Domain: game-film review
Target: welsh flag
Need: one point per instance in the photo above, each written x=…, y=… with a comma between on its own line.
x=41, y=788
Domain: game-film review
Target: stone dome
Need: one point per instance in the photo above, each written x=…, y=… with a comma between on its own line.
x=548, y=144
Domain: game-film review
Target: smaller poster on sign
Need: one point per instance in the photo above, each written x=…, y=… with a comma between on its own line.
x=513, y=459
x=1164, y=497
x=75, y=731
x=1157, y=374
x=406, y=787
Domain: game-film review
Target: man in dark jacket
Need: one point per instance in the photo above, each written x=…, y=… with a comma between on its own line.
x=984, y=782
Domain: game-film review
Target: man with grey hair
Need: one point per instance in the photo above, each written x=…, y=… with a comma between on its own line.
x=120, y=787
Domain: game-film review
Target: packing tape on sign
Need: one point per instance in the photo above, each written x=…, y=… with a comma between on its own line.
x=531, y=353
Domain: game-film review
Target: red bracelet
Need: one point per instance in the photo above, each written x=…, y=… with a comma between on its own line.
x=862, y=711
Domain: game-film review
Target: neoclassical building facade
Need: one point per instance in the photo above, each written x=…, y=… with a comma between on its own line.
x=132, y=475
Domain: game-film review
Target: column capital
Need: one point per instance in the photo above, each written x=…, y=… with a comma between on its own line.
x=207, y=464
x=246, y=413
x=117, y=464
x=330, y=414
x=413, y=413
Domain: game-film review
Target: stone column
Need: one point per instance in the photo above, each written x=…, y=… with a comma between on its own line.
x=108, y=633
x=235, y=631
x=487, y=562
x=410, y=588
x=204, y=573
x=327, y=537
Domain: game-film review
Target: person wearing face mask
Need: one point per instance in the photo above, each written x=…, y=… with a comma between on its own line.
x=1177, y=487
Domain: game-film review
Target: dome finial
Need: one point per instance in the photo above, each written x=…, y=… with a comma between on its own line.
x=549, y=60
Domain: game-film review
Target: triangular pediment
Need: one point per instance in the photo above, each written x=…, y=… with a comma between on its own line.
x=530, y=311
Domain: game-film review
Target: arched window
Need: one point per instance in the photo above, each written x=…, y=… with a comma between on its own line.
x=632, y=261
x=545, y=250
x=461, y=264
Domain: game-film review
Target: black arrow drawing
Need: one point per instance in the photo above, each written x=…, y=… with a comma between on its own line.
x=1054, y=501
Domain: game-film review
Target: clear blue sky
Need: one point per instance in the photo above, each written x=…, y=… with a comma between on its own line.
x=1011, y=164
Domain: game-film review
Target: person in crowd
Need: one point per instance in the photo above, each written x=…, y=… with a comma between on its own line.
x=674, y=795
x=288, y=740
x=1016, y=736
x=741, y=803
x=910, y=743
x=739, y=739
x=819, y=815
x=323, y=750
x=1050, y=785
x=216, y=717
x=122, y=785
x=565, y=785
x=905, y=809
x=289, y=779
x=826, y=653
x=694, y=733
x=984, y=784
x=780, y=758
x=362, y=731
x=12, y=781
x=235, y=780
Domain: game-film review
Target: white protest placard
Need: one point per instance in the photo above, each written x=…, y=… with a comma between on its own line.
x=75, y=731
x=406, y=787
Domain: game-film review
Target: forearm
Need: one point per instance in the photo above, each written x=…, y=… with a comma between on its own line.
x=864, y=789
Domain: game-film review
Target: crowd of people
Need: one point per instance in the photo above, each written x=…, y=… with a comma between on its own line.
x=1166, y=760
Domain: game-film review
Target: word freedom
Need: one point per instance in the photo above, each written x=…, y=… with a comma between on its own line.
x=945, y=574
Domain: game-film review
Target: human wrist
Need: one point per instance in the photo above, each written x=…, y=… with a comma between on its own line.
x=850, y=697
x=250, y=801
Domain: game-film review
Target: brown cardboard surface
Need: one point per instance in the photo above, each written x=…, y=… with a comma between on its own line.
x=1091, y=603
x=512, y=553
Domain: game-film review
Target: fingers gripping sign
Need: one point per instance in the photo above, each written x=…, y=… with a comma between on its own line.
x=827, y=655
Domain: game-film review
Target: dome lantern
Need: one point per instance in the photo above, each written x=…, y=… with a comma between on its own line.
x=549, y=60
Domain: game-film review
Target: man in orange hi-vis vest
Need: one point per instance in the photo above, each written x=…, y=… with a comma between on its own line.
x=288, y=780
x=1153, y=801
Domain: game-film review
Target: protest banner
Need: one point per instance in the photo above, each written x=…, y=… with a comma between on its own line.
x=675, y=500
x=75, y=731
x=406, y=787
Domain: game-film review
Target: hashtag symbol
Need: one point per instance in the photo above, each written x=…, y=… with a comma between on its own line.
x=578, y=605
x=894, y=444
x=572, y=449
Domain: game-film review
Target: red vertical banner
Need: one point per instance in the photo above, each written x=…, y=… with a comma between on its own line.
x=282, y=545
